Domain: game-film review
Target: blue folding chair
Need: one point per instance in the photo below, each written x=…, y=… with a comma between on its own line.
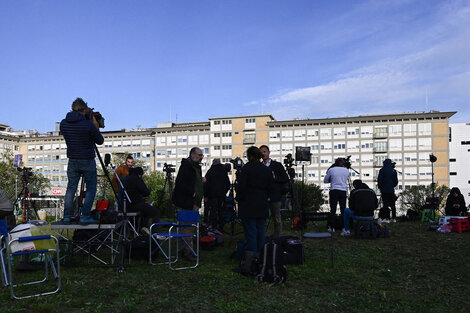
x=45, y=255
x=185, y=219
x=3, y=246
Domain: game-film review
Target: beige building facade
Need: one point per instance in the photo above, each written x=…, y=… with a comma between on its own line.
x=407, y=139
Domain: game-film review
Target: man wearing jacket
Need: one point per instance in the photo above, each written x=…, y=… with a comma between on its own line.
x=122, y=171
x=280, y=180
x=362, y=203
x=80, y=135
x=137, y=190
x=215, y=189
x=188, y=191
x=387, y=181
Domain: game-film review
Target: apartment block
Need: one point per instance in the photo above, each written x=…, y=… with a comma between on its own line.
x=459, y=158
x=407, y=139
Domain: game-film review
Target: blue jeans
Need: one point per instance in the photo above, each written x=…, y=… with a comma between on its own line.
x=76, y=168
x=348, y=213
x=254, y=233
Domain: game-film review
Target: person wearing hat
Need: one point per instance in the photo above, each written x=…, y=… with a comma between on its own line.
x=387, y=181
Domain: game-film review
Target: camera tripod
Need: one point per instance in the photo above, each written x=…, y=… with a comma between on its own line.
x=24, y=195
x=167, y=185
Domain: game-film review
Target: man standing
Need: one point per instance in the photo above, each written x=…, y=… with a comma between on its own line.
x=80, y=135
x=280, y=179
x=122, y=171
x=215, y=189
x=188, y=191
x=337, y=175
x=387, y=181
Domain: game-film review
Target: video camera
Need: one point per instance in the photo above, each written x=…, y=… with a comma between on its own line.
x=25, y=171
x=237, y=163
x=288, y=160
x=347, y=162
x=98, y=117
x=168, y=168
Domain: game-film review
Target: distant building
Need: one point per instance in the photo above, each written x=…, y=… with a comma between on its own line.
x=406, y=138
x=459, y=158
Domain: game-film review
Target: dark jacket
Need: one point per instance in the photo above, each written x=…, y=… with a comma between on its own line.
x=363, y=201
x=136, y=189
x=183, y=195
x=388, y=178
x=455, y=206
x=255, y=185
x=217, y=182
x=280, y=180
x=80, y=136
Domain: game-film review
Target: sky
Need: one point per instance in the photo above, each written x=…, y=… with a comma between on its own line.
x=141, y=63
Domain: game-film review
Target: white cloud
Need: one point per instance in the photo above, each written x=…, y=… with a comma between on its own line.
x=400, y=83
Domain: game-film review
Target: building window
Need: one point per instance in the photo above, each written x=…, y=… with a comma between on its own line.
x=250, y=120
x=451, y=160
x=226, y=134
x=216, y=147
x=226, y=147
x=453, y=173
x=216, y=135
x=216, y=122
x=226, y=122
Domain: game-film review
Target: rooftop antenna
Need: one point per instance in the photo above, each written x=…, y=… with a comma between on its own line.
x=427, y=101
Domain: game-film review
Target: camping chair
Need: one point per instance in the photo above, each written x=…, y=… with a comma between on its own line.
x=315, y=217
x=48, y=259
x=185, y=218
x=3, y=245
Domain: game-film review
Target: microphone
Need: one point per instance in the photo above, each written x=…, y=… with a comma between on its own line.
x=107, y=159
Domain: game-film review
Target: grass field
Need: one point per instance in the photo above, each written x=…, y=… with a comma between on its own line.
x=414, y=270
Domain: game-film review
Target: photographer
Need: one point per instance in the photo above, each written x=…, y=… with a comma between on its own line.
x=337, y=175
x=81, y=135
x=280, y=179
x=137, y=190
x=255, y=186
x=215, y=189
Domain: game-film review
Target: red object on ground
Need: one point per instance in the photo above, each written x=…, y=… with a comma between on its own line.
x=460, y=224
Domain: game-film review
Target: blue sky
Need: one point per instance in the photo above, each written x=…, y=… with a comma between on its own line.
x=140, y=62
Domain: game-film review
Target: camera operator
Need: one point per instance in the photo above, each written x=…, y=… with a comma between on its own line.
x=337, y=175
x=255, y=185
x=387, y=181
x=280, y=179
x=188, y=191
x=122, y=171
x=81, y=135
x=137, y=190
x=215, y=189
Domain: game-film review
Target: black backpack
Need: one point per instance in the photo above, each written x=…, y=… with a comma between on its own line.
x=249, y=264
x=273, y=267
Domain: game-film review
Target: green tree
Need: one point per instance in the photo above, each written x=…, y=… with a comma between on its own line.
x=10, y=177
x=104, y=189
x=415, y=197
x=312, y=196
x=161, y=198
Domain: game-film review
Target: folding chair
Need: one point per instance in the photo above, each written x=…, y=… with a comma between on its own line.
x=314, y=217
x=3, y=246
x=48, y=260
x=185, y=218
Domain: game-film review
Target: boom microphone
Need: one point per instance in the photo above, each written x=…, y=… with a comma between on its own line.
x=107, y=159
